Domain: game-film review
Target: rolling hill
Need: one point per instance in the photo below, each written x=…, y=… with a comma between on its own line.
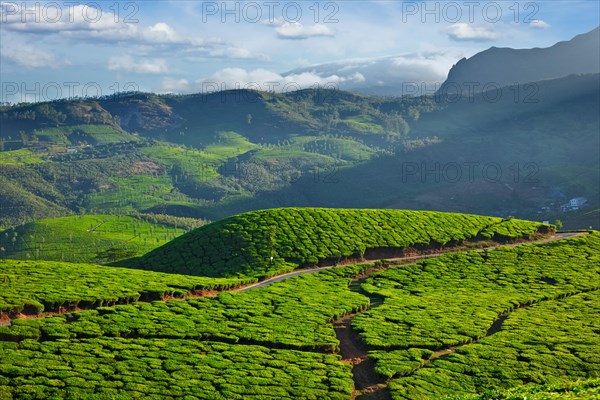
x=271, y=242
x=35, y=287
x=211, y=170
x=483, y=322
x=89, y=238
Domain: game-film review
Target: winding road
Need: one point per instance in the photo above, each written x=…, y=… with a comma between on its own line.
x=279, y=278
x=282, y=277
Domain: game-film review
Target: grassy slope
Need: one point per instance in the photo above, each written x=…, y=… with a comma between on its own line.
x=295, y=145
x=547, y=293
x=37, y=286
x=294, y=313
x=81, y=238
x=243, y=244
x=18, y=204
x=133, y=343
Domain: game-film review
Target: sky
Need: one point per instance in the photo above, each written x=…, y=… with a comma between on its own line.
x=59, y=49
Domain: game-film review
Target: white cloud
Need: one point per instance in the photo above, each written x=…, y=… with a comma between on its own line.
x=143, y=66
x=236, y=52
x=83, y=22
x=414, y=73
x=539, y=24
x=161, y=33
x=295, y=30
x=28, y=56
x=258, y=79
x=465, y=32
x=47, y=20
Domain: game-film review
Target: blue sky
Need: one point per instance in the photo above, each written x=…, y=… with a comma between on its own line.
x=57, y=49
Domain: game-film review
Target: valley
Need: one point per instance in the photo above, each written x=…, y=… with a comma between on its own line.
x=410, y=212
x=180, y=158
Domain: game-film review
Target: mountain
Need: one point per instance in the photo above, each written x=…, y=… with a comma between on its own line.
x=519, y=150
x=212, y=156
x=524, y=158
x=184, y=155
x=498, y=67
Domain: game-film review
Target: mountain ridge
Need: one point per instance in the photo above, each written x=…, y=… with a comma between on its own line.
x=504, y=66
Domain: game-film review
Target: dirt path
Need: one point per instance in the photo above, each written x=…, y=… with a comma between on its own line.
x=282, y=277
x=97, y=226
x=279, y=278
x=368, y=384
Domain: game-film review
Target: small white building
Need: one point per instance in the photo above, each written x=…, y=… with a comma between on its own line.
x=574, y=204
x=71, y=151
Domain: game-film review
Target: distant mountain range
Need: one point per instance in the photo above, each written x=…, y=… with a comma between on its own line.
x=210, y=156
x=498, y=67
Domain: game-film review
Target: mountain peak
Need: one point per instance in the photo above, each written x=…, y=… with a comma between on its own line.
x=507, y=66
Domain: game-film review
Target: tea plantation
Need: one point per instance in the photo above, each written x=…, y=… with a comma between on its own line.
x=167, y=369
x=295, y=313
x=508, y=323
x=33, y=287
x=580, y=389
x=297, y=237
x=91, y=238
x=513, y=315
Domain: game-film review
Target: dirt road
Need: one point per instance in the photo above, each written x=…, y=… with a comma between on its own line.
x=280, y=278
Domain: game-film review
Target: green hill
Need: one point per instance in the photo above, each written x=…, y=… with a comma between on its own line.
x=298, y=237
x=522, y=150
x=273, y=341
x=33, y=287
x=86, y=238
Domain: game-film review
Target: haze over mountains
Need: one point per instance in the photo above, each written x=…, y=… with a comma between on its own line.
x=524, y=153
x=425, y=73
x=409, y=74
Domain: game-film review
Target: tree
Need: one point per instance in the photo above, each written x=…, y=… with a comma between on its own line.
x=24, y=138
x=114, y=254
x=558, y=223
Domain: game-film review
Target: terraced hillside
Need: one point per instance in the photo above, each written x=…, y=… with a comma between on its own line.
x=269, y=242
x=213, y=156
x=33, y=287
x=91, y=238
x=276, y=341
